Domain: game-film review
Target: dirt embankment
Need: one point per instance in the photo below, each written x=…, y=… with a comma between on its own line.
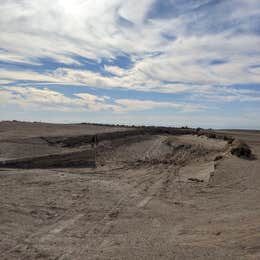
x=63, y=160
x=74, y=141
x=72, y=150
x=32, y=151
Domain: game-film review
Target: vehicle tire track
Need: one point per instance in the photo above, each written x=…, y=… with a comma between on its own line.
x=105, y=223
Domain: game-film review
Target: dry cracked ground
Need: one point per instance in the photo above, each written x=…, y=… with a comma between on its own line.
x=150, y=197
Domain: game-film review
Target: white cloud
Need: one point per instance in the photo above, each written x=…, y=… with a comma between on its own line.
x=139, y=78
x=4, y=82
x=117, y=71
x=46, y=99
x=135, y=10
x=61, y=29
x=185, y=52
x=137, y=105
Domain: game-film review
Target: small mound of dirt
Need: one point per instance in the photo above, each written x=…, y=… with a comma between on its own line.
x=241, y=149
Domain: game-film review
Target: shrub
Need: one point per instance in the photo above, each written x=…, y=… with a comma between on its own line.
x=240, y=149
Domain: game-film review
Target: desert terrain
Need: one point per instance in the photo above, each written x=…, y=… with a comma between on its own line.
x=138, y=194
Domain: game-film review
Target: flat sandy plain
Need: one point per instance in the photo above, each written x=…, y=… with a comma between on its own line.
x=150, y=197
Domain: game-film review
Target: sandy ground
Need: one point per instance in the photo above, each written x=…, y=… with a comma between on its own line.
x=22, y=139
x=150, y=197
x=13, y=130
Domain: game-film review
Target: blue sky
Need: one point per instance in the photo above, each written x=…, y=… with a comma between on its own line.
x=152, y=62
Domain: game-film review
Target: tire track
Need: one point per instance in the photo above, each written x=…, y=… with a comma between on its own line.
x=105, y=223
x=69, y=218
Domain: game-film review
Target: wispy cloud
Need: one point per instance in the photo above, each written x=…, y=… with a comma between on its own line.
x=185, y=48
x=46, y=99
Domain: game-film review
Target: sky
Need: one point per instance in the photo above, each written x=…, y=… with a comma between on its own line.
x=144, y=62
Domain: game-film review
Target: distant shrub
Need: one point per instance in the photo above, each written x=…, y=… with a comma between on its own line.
x=241, y=149
x=211, y=135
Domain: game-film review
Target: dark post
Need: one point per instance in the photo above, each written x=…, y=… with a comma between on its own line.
x=94, y=143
